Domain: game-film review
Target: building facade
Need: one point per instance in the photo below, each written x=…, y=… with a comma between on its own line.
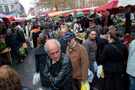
x=11, y=7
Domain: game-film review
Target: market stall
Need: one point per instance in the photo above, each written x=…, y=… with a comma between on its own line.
x=119, y=6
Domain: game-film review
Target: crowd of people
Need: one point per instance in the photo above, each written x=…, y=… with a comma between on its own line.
x=63, y=63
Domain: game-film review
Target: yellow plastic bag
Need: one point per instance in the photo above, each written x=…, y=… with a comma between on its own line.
x=102, y=73
x=85, y=85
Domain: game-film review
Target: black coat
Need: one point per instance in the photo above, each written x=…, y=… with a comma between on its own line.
x=21, y=35
x=100, y=46
x=12, y=41
x=63, y=44
x=112, y=60
x=59, y=75
x=35, y=36
x=40, y=56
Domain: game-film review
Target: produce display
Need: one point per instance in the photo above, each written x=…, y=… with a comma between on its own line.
x=80, y=35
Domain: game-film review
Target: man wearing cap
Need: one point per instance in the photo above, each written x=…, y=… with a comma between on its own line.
x=79, y=59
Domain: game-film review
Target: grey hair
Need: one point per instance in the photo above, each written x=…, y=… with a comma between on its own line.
x=45, y=47
x=9, y=30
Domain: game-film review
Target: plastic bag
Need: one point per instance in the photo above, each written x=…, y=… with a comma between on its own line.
x=36, y=78
x=32, y=45
x=90, y=76
x=100, y=71
x=95, y=66
x=85, y=85
x=22, y=51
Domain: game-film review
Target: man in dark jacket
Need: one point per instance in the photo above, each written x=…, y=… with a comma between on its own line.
x=101, y=42
x=35, y=35
x=58, y=69
x=90, y=45
x=12, y=41
x=20, y=34
x=62, y=40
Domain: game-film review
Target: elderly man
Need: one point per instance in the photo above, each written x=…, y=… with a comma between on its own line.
x=79, y=58
x=58, y=69
x=62, y=39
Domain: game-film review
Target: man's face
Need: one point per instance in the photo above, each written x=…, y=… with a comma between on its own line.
x=92, y=35
x=63, y=32
x=70, y=42
x=54, y=53
x=8, y=33
x=16, y=28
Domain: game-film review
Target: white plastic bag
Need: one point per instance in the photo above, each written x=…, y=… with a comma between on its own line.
x=95, y=66
x=99, y=69
x=32, y=45
x=36, y=78
x=90, y=76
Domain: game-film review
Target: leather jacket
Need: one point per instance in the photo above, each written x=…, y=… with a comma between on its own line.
x=59, y=75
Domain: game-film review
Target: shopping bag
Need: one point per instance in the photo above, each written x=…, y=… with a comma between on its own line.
x=36, y=78
x=22, y=51
x=95, y=66
x=100, y=71
x=85, y=85
x=25, y=45
x=32, y=45
x=90, y=76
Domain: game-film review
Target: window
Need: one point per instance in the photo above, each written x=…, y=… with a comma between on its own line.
x=6, y=9
x=12, y=8
x=1, y=9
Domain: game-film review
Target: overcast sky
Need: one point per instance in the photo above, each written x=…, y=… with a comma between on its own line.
x=27, y=4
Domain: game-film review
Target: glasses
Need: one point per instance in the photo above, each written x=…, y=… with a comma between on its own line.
x=93, y=34
x=55, y=52
x=68, y=41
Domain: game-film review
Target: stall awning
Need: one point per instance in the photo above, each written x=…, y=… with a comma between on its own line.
x=118, y=6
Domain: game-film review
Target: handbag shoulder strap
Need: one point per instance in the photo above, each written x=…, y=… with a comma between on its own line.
x=117, y=49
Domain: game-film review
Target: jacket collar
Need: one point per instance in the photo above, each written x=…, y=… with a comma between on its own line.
x=76, y=46
x=91, y=39
x=115, y=42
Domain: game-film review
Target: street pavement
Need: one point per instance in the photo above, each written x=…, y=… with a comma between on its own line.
x=26, y=71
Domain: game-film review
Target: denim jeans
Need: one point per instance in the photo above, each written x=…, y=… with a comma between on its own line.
x=132, y=83
x=92, y=85
x=49, y=88
x=17, y=55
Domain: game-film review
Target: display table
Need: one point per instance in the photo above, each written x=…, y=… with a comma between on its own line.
x=80, y=40
x=6, y=56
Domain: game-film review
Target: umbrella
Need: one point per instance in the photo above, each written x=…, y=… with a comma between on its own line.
x=118, y=6
x=61, y=16
x=20, y=19
x=3, y=16
x=79, y=15
x=8, y=19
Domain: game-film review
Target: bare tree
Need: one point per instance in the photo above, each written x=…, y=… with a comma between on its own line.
x=57, y=4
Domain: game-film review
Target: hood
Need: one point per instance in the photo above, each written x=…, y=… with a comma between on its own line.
x=104, y=37
x=36, y=30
